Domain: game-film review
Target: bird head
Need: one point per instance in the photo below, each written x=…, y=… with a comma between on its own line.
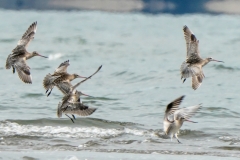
x=211, y=59
x=80, y=94
x=35, y=53
x=78, y=76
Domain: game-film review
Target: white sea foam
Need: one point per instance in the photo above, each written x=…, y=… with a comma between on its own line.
x=11, y=128
x=71, y=158
x=54, y=56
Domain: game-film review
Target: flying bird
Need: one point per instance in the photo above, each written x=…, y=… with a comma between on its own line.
x=71, y=102
x=192, y=67
x=59, y=78
x=74, y=108
x=175, y=116
x=17, y=59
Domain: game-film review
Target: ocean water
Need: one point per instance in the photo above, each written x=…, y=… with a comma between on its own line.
x=141, y=56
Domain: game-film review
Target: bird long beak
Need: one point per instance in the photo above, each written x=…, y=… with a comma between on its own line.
x=81, y=77
x=190, y=121
x=42, y=56
x=86, y=95
x=216, y=60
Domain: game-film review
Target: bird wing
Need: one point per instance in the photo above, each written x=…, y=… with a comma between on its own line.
x=76, y=85
x=167, y=128
x=18, y=51
x=48, y=81
x=62, y=67
x=62, y=105
x=79, y=109
x=187, y=112
x=9, y=62
x=172, y=107
x=28, y=35
x=191, y=43
x=188, y=70
x=197, y=81
x=64, y=87
x=69, y=95
x=59, y=110
x=23, y=70
x=66, y=98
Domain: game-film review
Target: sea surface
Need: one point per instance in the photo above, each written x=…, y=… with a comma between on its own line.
x=141, y=57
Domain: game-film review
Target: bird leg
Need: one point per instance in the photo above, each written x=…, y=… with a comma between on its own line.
x=178, y=141
x=184, y=80
x=70, y=118
x=190, y=121
x=177, y=138
x=73, y=117
x=13, y=69
x=49, y=92
x=65, y=109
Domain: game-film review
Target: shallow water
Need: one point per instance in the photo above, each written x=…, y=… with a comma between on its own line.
x=141, y=56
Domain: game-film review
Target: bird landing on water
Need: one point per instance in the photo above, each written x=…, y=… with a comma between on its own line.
x=174, y=117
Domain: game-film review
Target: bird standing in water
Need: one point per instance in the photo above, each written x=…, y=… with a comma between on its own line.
x=59, y=78
x=192, y=67
x=174, y=117
x=17, y=60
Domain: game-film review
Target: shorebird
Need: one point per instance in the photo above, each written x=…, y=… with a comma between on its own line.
x=60, y=75
x=74, y=108
x=174, y=117
x=71, y=102
x=192, y=67
x=17, y=60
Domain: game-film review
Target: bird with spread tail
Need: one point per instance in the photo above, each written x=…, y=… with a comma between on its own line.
x=60, y=78
x=174, y=117
x=17, y=60
x=192, y=67
x=71, y=103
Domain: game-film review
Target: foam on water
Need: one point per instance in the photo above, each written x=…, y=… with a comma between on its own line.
x=8, y=128
x=54, y=56
x=103, y=140
x=11, y=128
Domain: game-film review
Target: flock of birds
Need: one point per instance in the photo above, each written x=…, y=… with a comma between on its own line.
x=71, y=102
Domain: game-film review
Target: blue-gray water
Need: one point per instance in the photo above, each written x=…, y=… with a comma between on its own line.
x=141, y=56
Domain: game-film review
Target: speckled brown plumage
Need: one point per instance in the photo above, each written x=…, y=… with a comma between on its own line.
x=192, y=67
x=17, y=60
x=59, y=76
x=71, y=102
